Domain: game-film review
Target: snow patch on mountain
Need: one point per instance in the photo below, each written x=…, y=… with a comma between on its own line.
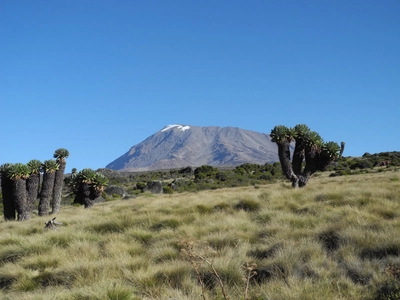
x=180, y=127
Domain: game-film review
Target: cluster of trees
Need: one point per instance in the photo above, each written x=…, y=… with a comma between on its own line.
x=21, y=186
x=86, y=185
x=309, y=148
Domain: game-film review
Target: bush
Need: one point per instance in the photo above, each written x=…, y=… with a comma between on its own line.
x=168, y=190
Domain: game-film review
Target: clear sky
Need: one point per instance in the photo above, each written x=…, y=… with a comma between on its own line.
x=97, y=77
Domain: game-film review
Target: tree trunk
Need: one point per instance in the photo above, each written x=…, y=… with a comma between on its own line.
x=298, y=156
x=58, y=184
x=284, y=158
x=8, y=203
x=95, y=193
x=19, y=198
x=46, y=193
x=32, y=187
x=303, y=179
x=342, y=144
x=86, y=192
x=83, y=196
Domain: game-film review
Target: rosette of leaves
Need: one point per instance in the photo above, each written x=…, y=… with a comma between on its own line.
x=281, y=133
x=300, y=131
x=331, y=149
x=313, y=139
x=99, y=182
x=86, y=175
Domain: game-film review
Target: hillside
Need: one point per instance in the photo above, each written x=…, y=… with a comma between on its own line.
x=178, y=146
x=285, y=243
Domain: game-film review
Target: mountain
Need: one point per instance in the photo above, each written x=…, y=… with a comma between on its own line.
x=178, y=146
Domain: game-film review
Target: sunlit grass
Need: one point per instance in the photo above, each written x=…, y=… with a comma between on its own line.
x=330, y=240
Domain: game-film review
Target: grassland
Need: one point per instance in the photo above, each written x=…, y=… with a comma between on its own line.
x=337, y=238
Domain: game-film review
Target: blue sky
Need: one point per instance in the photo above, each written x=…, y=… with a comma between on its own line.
x=97, y=77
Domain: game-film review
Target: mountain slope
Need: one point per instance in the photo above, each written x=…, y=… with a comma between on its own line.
x=178, y=146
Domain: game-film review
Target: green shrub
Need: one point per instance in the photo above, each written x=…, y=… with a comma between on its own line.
x=168, y=190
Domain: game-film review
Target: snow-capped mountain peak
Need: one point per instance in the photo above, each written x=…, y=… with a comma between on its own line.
x=180, y=127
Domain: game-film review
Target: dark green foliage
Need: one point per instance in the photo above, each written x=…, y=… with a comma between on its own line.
x=364, y=164
x=86, y=185
x=205, y=172
x=168, y=190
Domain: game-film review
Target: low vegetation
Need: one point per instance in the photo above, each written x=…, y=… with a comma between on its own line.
x=336, y=238
x=211, y=178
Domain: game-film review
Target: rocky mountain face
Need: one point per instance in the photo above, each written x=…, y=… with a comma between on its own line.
x=178, y=146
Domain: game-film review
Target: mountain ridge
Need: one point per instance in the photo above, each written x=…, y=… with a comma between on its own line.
x=177, y=146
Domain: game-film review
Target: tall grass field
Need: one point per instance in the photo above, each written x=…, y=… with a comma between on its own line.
x=336, y=238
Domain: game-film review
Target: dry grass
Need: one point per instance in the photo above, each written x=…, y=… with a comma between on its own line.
x=334, y=239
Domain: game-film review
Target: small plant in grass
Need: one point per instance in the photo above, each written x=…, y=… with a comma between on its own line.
x=250, y=272
x=199, y=253
x=168, y=190
x=119, y=293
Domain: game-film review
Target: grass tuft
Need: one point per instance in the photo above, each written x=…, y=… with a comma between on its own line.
x=248, y=205
x=330, y=240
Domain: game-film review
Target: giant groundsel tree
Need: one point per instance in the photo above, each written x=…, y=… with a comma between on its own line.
x=6, y=189
x=33, y=183
x=60, y=155
x=18, y=174
x=49, y=167
x=309, y=148
x=87, y=185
